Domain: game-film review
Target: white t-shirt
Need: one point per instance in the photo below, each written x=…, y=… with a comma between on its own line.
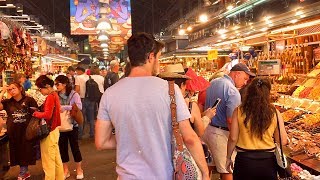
x=99, y=80
x=139, y=108
x=81, y=80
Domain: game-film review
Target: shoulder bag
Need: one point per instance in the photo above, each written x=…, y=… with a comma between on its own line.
x=38, y=129
x=184, y=165
x=281, y=158
x=66, y=120
x=76, y=113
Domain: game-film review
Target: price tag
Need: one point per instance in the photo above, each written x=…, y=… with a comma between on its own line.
x=212, y=54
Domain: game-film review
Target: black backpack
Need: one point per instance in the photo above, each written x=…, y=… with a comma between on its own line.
x=92, y=90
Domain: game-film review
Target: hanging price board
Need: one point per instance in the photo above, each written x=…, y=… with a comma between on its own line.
x=212, y=54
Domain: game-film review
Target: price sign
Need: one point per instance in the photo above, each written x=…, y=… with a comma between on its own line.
x=212, y=54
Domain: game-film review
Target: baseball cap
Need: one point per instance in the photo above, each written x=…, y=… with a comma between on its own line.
x=244, y=68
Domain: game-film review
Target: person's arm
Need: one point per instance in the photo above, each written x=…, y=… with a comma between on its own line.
x=104, y=139
x=284, y=136
x=233, y=139
x=193, y=144
x=198, y=125
x=77, y=85
x=233, y=100
x=48, y=108
x=207, y=116
x=4, y=89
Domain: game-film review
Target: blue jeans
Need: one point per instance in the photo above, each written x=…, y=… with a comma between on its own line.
x=88, y=114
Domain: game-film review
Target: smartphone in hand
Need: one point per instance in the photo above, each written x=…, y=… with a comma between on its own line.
x=215, y=104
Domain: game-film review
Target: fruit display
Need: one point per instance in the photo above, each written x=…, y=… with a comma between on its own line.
x=290, y=114
x=314, y=73
x=298, y=91
x=313, y=107
x=310, y=82
x=305, y=93
x=315, y=93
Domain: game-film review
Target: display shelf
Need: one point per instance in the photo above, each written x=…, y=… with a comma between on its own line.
x=311, y=165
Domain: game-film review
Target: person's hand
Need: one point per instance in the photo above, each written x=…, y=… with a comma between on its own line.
x=229, y=165
x=210, y=112
x=4, y=89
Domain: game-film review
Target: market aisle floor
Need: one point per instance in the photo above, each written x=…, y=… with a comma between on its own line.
x=97, y=165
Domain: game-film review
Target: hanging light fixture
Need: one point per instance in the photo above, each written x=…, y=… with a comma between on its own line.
x=104, y=23
x=104, y=45
x=103, y=36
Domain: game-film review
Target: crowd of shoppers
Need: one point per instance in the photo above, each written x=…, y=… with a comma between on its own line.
x=238, y=132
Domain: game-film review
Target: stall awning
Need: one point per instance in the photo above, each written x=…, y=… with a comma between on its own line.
x=60, y=58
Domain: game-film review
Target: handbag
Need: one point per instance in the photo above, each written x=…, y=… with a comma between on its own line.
x=184, y=165
x=76, y=113
x=281, y=158
x=38, y=129
x=66, y=120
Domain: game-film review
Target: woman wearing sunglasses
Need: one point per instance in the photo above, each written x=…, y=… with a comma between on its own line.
x=68, y=97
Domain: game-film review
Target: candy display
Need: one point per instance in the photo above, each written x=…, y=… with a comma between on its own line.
x=290, y=115
x=298, y=91
x=314, y=73
x=315, y=93
x=305, y=93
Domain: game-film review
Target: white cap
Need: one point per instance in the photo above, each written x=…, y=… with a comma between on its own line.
x=113, y=63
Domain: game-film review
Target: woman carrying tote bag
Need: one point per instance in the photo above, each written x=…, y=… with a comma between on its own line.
x=68, y=97
x=50, y=112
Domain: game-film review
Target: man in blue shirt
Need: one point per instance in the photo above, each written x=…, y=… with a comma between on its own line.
x=216, y=135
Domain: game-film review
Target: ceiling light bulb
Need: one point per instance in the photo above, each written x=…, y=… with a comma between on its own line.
x=230, y=7
x=104, y=45
x=189, y=28
x=222, y=31
x=203, y=18
x=264, y=29
x=294, y=21
x=299, y=13
x=182, y=32
x=104, y=24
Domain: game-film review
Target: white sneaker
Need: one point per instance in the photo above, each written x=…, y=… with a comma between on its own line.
x=80, y=176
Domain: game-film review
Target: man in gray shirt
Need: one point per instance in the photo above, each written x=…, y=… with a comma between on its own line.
x=138, y=107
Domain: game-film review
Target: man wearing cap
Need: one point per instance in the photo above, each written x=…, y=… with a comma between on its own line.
x=216, y=135
x=112, y=77
x=138, y=107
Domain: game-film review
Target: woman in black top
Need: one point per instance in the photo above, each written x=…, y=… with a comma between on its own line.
x=19, y=113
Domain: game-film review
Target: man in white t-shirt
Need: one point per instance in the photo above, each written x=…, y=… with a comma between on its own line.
x=138, y=107
x=87, y=105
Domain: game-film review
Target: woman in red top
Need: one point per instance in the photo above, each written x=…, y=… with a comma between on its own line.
x=50, y=111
